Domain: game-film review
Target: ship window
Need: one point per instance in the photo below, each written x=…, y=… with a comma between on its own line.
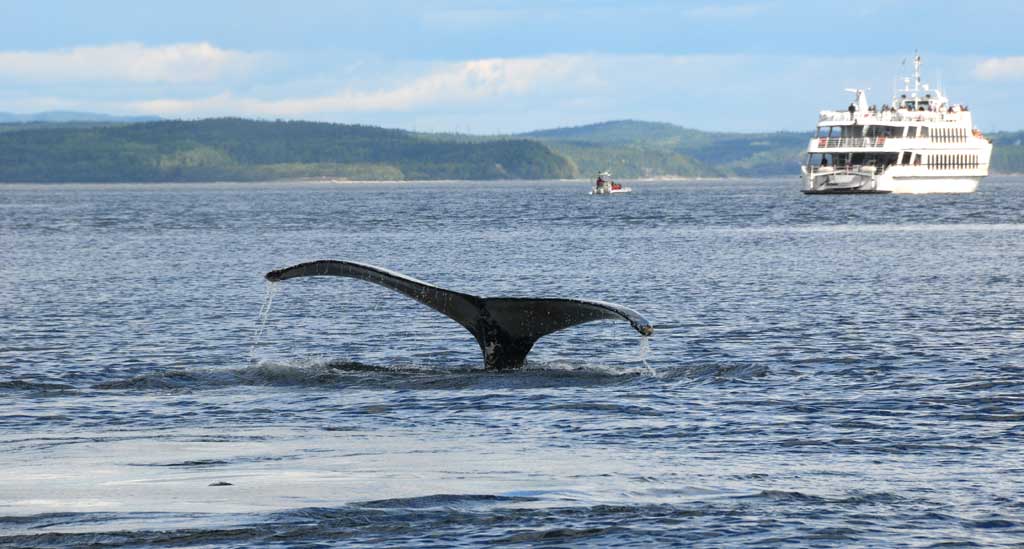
x=906, y=158
x=912, y=131
x=924, y=131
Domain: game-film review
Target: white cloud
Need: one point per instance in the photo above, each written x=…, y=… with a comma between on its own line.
x=1000, y=68
x=128, y=62
x=456, y=83
x=712, y=91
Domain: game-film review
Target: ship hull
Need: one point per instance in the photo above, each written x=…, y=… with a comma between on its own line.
x=885, y=183
x=926, y=185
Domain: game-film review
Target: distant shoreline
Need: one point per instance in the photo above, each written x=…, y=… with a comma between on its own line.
x=297, y=182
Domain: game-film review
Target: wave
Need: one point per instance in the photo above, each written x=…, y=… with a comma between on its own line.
x=319, y=372
x=36, y=386
x=465, y=520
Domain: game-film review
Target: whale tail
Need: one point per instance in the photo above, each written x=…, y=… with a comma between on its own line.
x=506, y=328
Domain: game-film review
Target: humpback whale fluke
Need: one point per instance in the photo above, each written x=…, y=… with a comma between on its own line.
x=505, y=327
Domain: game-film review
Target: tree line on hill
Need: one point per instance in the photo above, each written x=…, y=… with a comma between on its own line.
x=233, y=149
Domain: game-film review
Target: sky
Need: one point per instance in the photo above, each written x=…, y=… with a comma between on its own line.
x=498, y=66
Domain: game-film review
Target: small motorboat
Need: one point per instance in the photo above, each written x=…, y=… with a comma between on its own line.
x=605, y=185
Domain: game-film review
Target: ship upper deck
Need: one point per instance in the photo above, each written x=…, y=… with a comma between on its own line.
x=913, y=105
x=952, y=116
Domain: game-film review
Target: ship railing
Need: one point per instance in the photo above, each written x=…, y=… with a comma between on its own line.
x=836, y=142
x=888, y=116
x=852, y=169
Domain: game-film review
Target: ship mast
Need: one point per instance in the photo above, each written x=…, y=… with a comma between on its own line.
x=917, y=71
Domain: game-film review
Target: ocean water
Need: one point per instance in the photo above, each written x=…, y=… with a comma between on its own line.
x=844, y=370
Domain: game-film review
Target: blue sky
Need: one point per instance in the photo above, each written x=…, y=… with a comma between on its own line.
x=501, y=67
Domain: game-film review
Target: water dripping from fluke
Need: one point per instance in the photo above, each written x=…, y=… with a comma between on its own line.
x=271, y=289
x=644, y=350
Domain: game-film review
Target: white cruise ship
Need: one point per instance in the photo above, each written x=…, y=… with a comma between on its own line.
x=920, y=143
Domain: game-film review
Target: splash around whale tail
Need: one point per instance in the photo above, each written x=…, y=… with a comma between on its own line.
x=506, y=328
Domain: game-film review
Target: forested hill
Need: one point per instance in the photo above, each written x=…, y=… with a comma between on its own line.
x=231, y=149
x=632, y=148
x=1007, y=152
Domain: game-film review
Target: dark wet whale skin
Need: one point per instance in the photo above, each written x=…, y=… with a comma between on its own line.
x=506, y=328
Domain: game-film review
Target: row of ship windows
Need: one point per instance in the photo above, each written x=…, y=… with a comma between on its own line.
x=943, y=161
x=950, y=135
x=936, y=135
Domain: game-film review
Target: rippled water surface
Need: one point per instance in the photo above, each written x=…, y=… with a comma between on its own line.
x=843, y=370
